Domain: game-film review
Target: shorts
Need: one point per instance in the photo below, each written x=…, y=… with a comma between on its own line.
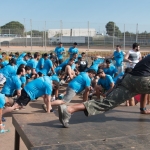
x=24, y=99
x=70, y=93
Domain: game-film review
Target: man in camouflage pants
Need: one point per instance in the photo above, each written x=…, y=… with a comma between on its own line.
x=136, y=82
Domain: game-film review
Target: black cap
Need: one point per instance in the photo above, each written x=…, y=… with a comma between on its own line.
x=60, y=43
x=75, y=43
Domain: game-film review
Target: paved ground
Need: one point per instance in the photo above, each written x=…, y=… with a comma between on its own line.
x=122, y=128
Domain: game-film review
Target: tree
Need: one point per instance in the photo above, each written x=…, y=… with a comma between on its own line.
x=36, y=33
x=112, y=29
x=13, y=27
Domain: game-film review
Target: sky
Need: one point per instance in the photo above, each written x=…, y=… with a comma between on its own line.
x=47, y=14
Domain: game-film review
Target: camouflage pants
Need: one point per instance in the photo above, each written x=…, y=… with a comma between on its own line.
x=129, y=87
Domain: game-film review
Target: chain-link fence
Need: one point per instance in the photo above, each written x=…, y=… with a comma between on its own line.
x=106, y=36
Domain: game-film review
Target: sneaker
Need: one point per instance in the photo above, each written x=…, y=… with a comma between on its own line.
x=53, y=98
x=3, y=131
x=60, y=96
x=64, y=116
x=62, y=82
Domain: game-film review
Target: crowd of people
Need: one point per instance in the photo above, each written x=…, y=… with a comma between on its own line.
x=104, y=83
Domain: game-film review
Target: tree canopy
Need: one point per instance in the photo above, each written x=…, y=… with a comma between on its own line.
x=112, y=29
x=13, y=27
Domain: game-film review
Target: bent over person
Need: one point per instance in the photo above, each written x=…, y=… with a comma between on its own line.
x=133, y=83
x=42, y=86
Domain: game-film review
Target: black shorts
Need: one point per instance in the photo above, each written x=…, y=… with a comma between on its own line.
x=24, y=99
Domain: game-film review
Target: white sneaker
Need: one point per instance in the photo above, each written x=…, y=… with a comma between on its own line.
x=53, y=98
x=62, y=82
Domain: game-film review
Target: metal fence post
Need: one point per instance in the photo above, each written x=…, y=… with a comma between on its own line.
x=25, y=33
x=31, y=32
x=124, y=44
x=0, y=36
x=45, y=35
x=114, y=37
x=88, y=35
x=136, y=33
x=61, y=33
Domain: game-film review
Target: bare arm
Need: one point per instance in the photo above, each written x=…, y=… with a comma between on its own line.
x=111, y=87
x=126, y=57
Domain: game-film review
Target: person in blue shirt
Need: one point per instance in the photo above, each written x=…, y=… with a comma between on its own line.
x=59, y=51
x=13, y=84
x=77, y=85
x=110, y=69
x=16, y=55
x=21, y=56
x=68, y=71
x=23, y=60
x=10, y=69
x=73, y=49
x=48, y=65
x=41, y=86
x=33, y=64
x=23, y=79
x=97, y=62
x=40, y=65
x=118, y=56
x=104, y=85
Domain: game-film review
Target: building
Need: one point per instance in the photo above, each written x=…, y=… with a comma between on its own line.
x=71, y=32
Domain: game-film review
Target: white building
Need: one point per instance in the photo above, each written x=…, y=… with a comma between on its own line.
x=71, y=32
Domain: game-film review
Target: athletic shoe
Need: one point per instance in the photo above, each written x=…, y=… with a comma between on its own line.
x=64, y=116
x=62, y=82
x=60, y=96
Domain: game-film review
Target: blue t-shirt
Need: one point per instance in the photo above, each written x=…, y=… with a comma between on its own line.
x=80, y=82
x=32, y=63
x=119, y=76
x=111, y=70
x=72, y=50
x=5, y=62
x=118, y=56
x=98, y=61
x=9, y=71
x=39, y=87
x=54, y=78
x=2, y=100
x=59, y=52
x=47, y=66
x=94, y=67
x=13, y=83
x=39, y=64
x=23, y=79
x=105, y=82
x=20, y=62
x=21, y=56
x=57, y=69
x=64, y=63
